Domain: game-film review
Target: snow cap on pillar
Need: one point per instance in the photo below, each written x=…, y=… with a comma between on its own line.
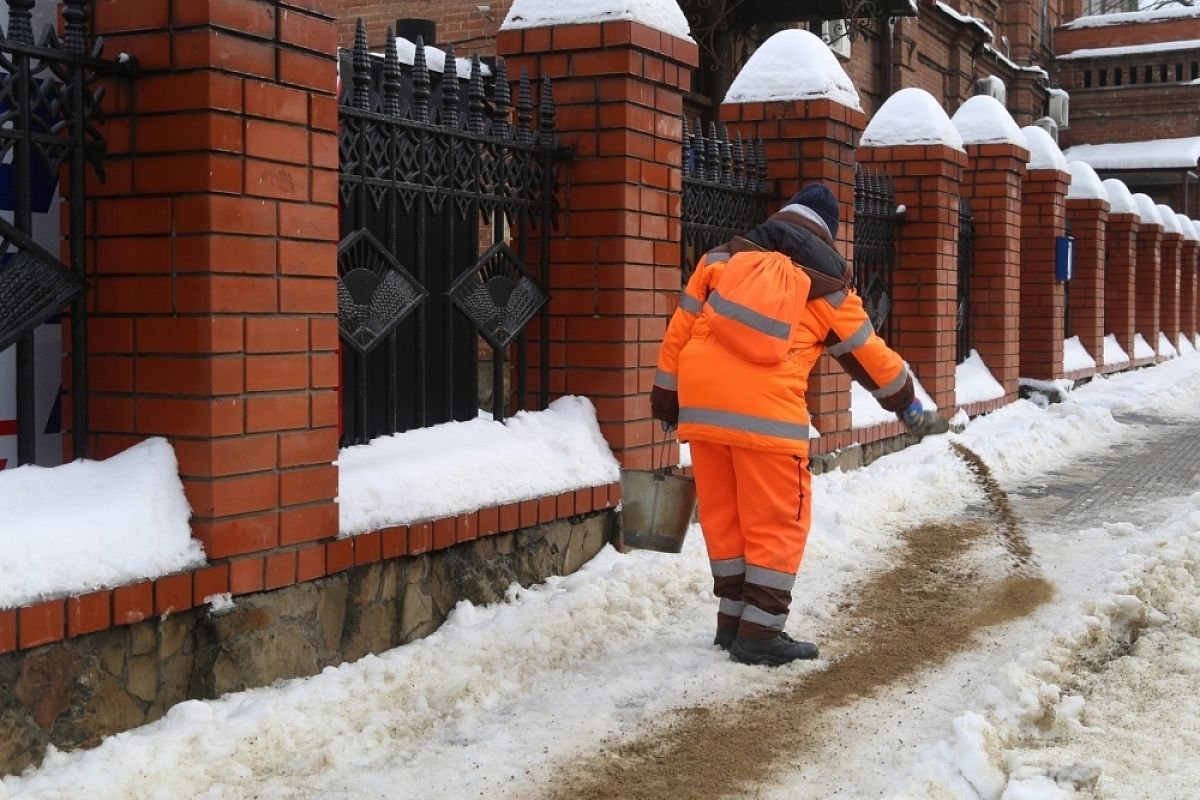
x=793, y=65
x=1085, y=183
x=1119, y=199
x=1188, y=229
x=911, y=116
x=662, y=15
x=984, y=120
x=1147, y=210
x=1167, y=215
x=1043, y=150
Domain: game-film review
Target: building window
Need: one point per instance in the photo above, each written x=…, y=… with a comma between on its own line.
x=1087, y=79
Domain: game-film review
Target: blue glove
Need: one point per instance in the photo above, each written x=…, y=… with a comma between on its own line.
x=922, y=423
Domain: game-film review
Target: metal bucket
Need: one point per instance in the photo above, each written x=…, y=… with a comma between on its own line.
x=656, y=509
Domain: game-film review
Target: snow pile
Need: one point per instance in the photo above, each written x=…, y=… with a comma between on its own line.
x=437, y=472
x=984, y=120
x=1186, y=346
x=1165, y=348
x=1029, y=741
x=1147, y=210
x=435, y=58
x=1085, y=183
x=911, y=116
x=974, y=382
x=1113, y=352
x=78, y=527
x=865, y=410
x=1141, y=348
x=662, y=15
x=1131, y=50
x=1132, y=17
x=1187, y=227
x=502, y=698
x=1075, y=356
x=1120, y=200
x=1167, y=215
x=1153, y=154
x=1043, y=150
x=793, y=65
x=965, y=19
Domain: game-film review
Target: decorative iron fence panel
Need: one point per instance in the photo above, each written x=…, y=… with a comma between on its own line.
x=48, y=104
x=430, y=169
x=876, y=233
x=724, y=190
x=966, y=262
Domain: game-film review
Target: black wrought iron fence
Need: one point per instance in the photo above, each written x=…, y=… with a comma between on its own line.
x=724, y=189
x=430, y=166
x=876, y=233
x=48, y=104
x=966, y=262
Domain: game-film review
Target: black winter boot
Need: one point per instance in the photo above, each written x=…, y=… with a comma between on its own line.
x=783, y=649
x=724, y=637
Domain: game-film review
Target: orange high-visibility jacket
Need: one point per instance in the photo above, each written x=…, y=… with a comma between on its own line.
x=728, y=400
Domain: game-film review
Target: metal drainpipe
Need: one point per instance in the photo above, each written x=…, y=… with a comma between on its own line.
x=888, y=66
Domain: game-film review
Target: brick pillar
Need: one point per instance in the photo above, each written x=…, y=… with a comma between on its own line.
x=1120, y=272
x=214, y=259
x=1086, y=288
x=1147, y=287
x=1187, y=287
x=1170, y=254
x=614, y=279
x=809, y=140
x=992, y=183
x=1043, y=220
x=925, y=282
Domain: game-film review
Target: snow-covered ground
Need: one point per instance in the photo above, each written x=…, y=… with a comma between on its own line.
x=504, y=698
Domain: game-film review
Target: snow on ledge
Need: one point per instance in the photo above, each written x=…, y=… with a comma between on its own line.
x=1043, y=150
x=911, y=116
x=1076, y=356
x=662, y=15
x=974, y=382
x=1165, y=348
x=1187, y=227
x=1113, y=352
x=793, y=65
x=1132, y=17
x=985, y=120
x=1141, y=348
x=866, y=412
x=1085, y=183
x=1182, y=153
x=1120, y=200
x=1131, y=50
x=86, y=525
x=1167, y=215
x=1147, y=210
x=449, y=469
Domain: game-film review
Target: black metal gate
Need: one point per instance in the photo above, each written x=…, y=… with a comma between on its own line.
x=445, y=204
x=876, y=227
x=48, y=102
x=724, y=190
x=966, y=261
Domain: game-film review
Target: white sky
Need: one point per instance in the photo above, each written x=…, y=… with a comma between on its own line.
x=504, y=697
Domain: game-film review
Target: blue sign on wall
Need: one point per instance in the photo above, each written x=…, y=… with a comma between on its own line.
x=1064, y=258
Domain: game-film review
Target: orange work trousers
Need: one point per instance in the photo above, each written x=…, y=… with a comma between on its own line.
x=755, y=510
x=753, y=505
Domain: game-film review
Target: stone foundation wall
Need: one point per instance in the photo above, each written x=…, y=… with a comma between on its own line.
x=75, y=692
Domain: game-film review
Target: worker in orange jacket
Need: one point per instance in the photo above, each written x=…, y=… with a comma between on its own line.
x=744, y=415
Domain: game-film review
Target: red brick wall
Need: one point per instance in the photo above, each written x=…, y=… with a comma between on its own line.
x=992, y=182
x=1120, y=272
x=213, y=250
x=1187, y=287
x=1043, y=220
x=1069, y=39
x=1086, y=289
x=1168, y=289
x=1149, y=282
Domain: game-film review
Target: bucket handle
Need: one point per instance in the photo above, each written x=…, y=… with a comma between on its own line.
x=658, y=455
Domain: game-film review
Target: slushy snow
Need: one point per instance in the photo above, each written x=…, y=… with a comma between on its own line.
x=793, y=64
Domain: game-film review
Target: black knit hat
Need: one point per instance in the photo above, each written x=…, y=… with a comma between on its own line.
x=818, y=197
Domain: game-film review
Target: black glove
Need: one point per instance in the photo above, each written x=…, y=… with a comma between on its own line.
x=922, y=423
x=664, y=405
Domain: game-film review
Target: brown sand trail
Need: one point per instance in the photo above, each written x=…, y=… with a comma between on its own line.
x=916, y=615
